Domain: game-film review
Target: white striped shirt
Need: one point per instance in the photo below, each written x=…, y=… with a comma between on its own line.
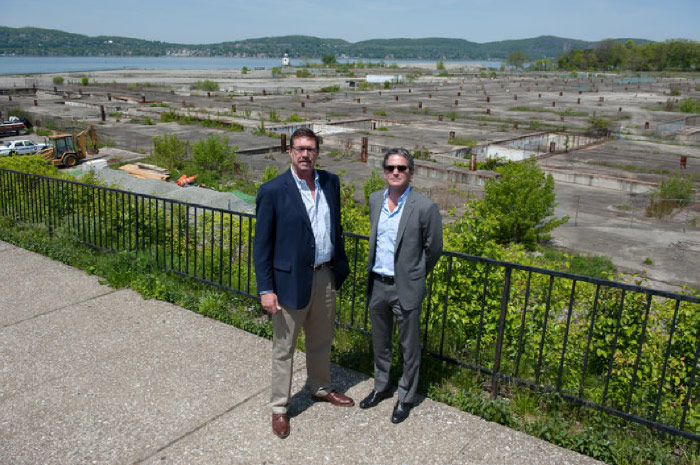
x=320, y=218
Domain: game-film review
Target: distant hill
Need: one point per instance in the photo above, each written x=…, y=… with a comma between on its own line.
x=28, y=41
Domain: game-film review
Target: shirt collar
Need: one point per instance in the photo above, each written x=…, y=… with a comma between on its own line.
x=402, y=199
x=300, y=182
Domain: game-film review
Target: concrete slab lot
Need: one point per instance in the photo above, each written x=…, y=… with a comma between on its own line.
x=602, y=186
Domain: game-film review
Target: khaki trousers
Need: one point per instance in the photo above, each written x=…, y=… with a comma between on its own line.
x=317, y=319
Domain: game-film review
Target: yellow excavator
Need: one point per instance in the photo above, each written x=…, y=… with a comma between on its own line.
x=67, y=149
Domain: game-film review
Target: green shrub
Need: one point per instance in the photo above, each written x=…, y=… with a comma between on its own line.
x=214, y=154
x=421, y=154
x=690, y=105
x=677, y=187
x=673, y=192
x=270, y=172
x=169, y=151
x=260, y=130
x=598, y=123
x=372, y=184
x=33, y=164
x=595, y=266
x=335, y=88
x=490, y=164
x=206, y=85
x=294, y=118
x=84, y=80
x=58, y=80
x=169, y=116
x=522, y=199
x=462, y=140
x=380, y=112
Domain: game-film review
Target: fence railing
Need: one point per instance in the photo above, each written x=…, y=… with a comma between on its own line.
x=626, y=350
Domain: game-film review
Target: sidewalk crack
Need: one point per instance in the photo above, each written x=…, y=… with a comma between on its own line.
x=200, y=426
x=72, y=304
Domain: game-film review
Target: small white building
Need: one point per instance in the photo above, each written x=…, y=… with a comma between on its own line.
x=285, y=60
x=382, y=78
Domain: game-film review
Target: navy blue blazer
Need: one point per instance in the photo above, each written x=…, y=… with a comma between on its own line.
x=283, y=247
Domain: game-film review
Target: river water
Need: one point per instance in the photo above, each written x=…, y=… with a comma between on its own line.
x=38, y=65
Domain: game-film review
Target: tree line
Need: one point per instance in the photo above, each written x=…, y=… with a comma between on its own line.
x=28, y=41
x=672, y=55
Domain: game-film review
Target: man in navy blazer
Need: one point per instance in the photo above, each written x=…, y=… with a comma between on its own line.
x=300, y=262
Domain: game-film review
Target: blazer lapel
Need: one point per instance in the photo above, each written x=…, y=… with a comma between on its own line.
x=407, y=212
x=325, y=184
x=375, y=212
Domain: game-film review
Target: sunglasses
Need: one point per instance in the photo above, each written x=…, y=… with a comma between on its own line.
x=391, y=168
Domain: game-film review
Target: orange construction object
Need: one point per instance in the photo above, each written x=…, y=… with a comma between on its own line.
x=185, y=180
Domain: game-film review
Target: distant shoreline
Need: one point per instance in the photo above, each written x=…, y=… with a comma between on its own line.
x=11, y=65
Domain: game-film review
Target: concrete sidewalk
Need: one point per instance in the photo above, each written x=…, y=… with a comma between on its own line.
x=89, y=374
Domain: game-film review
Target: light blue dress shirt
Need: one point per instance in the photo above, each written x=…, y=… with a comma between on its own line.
x=387, y=230
x=320, y=218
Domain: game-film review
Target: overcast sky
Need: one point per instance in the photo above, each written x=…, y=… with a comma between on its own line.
x=213, y=21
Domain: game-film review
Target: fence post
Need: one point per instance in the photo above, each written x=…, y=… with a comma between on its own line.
x=501, y=328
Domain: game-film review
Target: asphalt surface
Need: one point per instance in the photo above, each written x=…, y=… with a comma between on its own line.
x=95, y=375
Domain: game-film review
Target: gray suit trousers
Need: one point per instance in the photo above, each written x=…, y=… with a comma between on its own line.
x=383, y=307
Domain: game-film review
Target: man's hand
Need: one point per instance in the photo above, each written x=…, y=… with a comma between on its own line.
x=269, y=303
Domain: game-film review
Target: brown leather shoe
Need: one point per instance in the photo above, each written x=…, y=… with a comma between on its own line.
x=280, y=424
x=335, y=398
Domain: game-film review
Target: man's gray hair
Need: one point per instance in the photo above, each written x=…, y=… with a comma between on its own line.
x=399, y=151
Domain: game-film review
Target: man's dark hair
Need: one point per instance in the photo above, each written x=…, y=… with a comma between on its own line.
x=398, y=151
x=305, y=132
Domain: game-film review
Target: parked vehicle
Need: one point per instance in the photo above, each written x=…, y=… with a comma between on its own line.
x=67, y=149
x=8, y=128
x=20, y=147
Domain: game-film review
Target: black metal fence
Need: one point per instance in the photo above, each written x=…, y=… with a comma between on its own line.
x=623, y=349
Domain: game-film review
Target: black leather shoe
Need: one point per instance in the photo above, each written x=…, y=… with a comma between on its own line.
x=374, y=397
x=401, y=411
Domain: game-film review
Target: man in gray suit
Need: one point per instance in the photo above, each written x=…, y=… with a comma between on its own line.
x=405, y=243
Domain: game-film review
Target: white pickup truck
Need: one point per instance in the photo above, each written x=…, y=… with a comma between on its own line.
x=20, y=147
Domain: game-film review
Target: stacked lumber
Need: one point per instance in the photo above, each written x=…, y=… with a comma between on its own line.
x=145, y=171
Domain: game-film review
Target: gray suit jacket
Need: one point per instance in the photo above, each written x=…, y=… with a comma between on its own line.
x=418, y=245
